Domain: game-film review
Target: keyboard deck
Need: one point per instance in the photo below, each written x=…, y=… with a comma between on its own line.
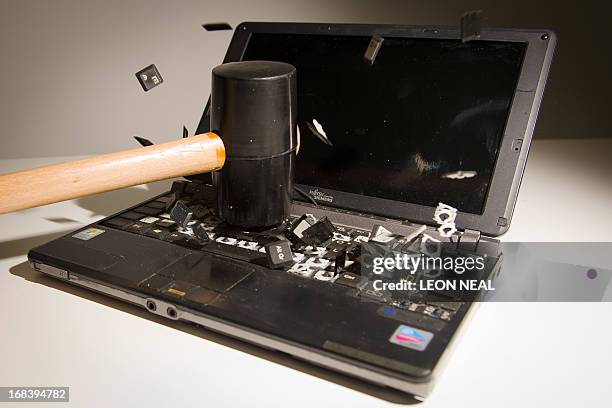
x=317, y=262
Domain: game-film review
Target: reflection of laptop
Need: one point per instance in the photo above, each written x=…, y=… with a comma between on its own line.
x=387, y=132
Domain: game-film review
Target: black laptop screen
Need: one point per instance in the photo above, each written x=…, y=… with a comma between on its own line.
x=420, y=124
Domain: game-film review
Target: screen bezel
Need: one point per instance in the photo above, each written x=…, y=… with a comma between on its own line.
x=514, y=145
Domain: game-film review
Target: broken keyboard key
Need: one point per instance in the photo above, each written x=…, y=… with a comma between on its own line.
x=349, y=279
x=296, y=230
x=279, y=254
x=200, y=233
x=149, y=77
x=322, y=231
x=181, y=214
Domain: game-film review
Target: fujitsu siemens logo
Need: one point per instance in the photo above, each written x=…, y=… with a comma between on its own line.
x=321, y=196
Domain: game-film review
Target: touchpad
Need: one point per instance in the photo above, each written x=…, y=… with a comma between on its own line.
x=208, y=271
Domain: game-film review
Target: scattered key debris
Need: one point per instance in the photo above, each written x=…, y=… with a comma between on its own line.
x=315, y=251
x=460, y=174
x=149, y=77
x=373, y=49
x=445, y=216
x=279, y=254
x=227, y=240
x=338, y=237
x=444, y=213
x=430, y=246
x=471, y=23
x=201, y=233
x=382, y=235
x=317, y=129
x=143, y=142
x=200, y=211
x=378, y=230
x=296, y=230
x=149, y=220
x=334, y=248
x=166, y=223
x=181, y=214
x=340, y=260
x=412, y=236
x=324, y=275
x=447, y=230
x=318, y=263
x=251, y=245
x=318, y=233
x=311, y=218
x=216, y=26
x=349, y=279
x=185, y=132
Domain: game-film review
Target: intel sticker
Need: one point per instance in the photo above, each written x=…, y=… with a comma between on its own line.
x=88, y=234
x=410, y=337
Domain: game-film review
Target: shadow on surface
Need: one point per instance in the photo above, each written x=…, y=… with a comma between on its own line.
x=118, y=200
x=17, y=247
x=23, y=270
x=103, y=204
x=61, y=220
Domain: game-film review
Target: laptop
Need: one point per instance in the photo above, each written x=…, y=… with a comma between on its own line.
x=394, y=121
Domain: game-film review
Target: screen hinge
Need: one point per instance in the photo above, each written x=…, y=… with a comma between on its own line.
x=469, y=240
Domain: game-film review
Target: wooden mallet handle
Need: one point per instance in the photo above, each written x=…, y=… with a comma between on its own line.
x=45, y=185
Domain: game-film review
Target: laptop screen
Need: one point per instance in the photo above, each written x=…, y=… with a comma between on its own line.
x=420, y=123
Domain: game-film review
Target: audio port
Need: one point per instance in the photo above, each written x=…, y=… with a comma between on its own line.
x=171, y=312
x=151, y=305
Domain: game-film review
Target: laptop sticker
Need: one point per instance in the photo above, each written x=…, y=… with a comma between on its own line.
x=410, y=337
x=88, y=234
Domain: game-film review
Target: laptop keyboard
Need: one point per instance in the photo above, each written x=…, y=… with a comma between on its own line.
x=328, y=253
